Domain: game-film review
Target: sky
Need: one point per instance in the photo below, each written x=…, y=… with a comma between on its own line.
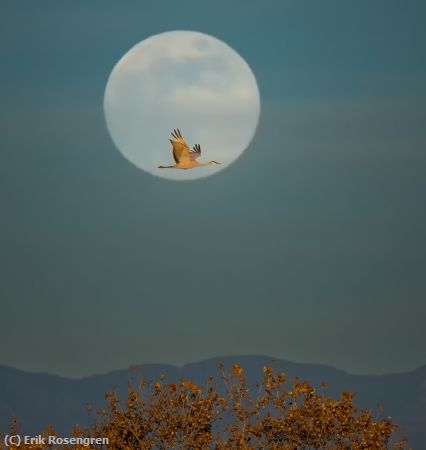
x=310, y=247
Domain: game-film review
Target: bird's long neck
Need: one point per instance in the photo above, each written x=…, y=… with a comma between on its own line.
x=210, y=163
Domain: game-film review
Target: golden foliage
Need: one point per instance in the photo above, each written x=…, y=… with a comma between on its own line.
x=272, y=416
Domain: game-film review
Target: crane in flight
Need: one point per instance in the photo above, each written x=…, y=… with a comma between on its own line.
x=185, y=158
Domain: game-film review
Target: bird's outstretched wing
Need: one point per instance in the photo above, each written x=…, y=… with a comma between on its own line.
x=180, y=147
x=195, y=152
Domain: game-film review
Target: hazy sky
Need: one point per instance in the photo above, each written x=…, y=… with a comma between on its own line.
x=310, y=248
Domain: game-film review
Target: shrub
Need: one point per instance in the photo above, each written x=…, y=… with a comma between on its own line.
x=277, y=414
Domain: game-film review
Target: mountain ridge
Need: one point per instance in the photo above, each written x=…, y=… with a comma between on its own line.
x=38, y=399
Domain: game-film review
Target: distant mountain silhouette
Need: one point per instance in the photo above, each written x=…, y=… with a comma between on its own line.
x=40, y=399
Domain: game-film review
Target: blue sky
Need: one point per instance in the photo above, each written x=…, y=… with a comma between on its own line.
x=311, y=247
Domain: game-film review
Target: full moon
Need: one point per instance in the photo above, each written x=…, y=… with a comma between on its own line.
x=186, y=80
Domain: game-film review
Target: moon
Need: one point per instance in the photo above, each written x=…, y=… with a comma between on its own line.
x=187, y=80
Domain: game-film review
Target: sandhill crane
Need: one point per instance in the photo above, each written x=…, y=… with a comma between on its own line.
x=184, y=157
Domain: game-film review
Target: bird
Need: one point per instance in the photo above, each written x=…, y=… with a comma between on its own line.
x=185, y=157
